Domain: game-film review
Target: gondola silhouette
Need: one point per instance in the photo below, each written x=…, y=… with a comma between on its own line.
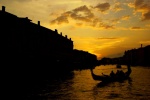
x=108, y=78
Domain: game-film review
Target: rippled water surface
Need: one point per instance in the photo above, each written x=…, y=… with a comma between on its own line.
x=79, y=85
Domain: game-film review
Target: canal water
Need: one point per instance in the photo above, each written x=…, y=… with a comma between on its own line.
x=79, y=85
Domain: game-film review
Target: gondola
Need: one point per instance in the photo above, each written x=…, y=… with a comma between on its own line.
x=108, y=78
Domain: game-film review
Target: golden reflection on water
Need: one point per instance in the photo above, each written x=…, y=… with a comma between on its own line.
x=85, y=87
x=82, y=87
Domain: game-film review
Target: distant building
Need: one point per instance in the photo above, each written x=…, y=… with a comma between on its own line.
x=139, y=56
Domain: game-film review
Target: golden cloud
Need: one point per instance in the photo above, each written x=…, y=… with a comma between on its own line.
x=79, y=24
x=144, y=42
x=82, y=13
x=81, y=16
x=111, y=38
x=117, y=7
x=106, y=26
x=117, y=20
x=125, y=17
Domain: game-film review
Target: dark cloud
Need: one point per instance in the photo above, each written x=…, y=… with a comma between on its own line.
x=103, y=7
x=135, y=28
x=138, y=3
x=146, y=16
x=106, y=26
x=100, y=24
x=60, y=20
x=144, y=7
x=94, y=22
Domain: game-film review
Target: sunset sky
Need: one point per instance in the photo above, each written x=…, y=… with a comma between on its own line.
x=105, y=28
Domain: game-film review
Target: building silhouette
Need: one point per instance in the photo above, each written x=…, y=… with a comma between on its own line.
x=139, y=56
x=135, y=57
x=33, y=55
x=25, y=40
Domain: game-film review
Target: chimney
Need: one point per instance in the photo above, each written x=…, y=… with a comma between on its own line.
x=141, y=45
x=39, y=23
x=3, y=8
x=66, y=36
x=61, y=33
x=56, y=30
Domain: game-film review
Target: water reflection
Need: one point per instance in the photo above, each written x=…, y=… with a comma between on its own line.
x=79, y=85
x=103, y=84
x=114, y=90
x=130, y=81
